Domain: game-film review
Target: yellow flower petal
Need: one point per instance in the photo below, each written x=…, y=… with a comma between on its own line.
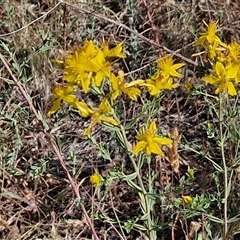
x=168, y=68
x=231, y=89
x=83, y=108
x=149, y=142
x=187, y=199
x=209, y=36
x=114, y=52
x=139, y=147
x=152, y=128
x=70, y=99
x=104, y=107
x=163, y=141
x=109, y=120
x=55, y=107
x=132, y=93
x=135, y=82
x=220, y=70
x=115, y=94
x=211, y=79
x=86, y=83
x=154, y=148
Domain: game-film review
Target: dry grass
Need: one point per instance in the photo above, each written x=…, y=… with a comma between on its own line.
x=37, y=199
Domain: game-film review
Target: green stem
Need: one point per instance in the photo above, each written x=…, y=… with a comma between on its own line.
x=136, y=169
x=144, y=192
x=225, y=169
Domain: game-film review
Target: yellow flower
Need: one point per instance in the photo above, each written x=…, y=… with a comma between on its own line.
x=167, y=68
x=85, y=65
x=234, y=50
x=233, y=58
x=95, y=179
x=149, y=142
x=222, y=78
x=114, y=52
x=157, y=83
x=119, y=86
x=209, y=36
x=213, y=51
x=234, y=70
x=102, y=114
x=62, y=93
x=187, y=199
x=88, y=64
x=211, y=42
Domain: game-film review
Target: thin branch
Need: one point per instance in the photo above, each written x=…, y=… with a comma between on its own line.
x=52, y=143
x=29, y=24
x=100, y=16
x=154, y=29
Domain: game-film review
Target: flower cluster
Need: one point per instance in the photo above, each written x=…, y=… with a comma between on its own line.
x=90, y=66
x=163, y=78
x=225, y=59
x=85, y=66
x=210, y=41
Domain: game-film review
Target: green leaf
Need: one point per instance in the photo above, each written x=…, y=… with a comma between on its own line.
x=234, y=219
x=134, y=185
x=213, y=218
x=130, y=177
x=140, y=227
x=12, y=195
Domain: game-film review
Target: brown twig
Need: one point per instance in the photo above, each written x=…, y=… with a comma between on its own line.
x=55, y=149
x=149, y=15
x=64, y=19
x=29, y=24
x=100, y=16
x=111, y=21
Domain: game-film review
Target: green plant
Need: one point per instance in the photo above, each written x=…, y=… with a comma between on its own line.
x=133, y=173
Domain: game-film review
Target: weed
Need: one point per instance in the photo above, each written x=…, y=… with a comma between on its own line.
x=148, y=153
